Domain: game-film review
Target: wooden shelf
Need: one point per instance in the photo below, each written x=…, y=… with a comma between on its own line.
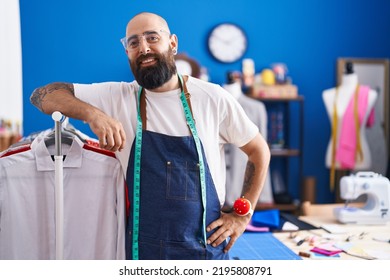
x=283, y=158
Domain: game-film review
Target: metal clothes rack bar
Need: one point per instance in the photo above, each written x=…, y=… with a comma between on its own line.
x=59, y=190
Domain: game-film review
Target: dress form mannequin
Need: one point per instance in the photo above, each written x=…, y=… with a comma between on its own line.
x=236, y=159
x=340, y=101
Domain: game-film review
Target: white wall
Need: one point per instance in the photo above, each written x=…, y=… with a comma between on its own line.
x=11, y=103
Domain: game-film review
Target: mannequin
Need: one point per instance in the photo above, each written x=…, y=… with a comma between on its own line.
x=236, y=160
x=339, y=98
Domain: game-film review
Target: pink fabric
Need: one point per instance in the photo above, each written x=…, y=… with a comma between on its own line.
x=371, y=118
x=253, y=228
x=346, y=149
x=325, y=252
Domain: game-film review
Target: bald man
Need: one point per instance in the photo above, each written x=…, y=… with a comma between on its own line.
x=168, y=132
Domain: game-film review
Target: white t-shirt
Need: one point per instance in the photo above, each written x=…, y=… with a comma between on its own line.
x=219, y=118
x=94, y=204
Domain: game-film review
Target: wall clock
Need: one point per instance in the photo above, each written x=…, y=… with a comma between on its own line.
x=227, y=42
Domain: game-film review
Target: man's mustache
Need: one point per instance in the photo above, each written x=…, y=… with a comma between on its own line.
x=146, y=56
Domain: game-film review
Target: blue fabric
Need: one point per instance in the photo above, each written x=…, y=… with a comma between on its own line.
x=266, y=218
x=170, y=201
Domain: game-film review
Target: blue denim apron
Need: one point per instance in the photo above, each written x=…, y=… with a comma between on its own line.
x=170, y=215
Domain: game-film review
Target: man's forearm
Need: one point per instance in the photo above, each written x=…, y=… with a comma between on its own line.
x=60, y=97
x=256, y=169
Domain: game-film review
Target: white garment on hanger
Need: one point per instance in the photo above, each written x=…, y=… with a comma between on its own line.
x=94, y=204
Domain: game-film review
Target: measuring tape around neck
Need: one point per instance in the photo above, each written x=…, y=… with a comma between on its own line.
x=137, y=181
x=137, y=168
x=202, y=172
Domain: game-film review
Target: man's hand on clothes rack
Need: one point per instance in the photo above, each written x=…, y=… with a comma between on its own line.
x=110, y=132
x=229, y=225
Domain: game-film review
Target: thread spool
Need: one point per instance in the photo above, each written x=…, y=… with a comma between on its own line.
x=309, y=189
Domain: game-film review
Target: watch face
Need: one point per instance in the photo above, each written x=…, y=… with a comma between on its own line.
x=227, y=42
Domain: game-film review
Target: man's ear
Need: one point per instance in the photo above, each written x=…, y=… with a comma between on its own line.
x=174, y=41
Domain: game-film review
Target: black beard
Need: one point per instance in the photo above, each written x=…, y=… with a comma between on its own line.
x=154, y=76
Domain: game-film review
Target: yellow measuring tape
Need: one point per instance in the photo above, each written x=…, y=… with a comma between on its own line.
x=334, y=138
x=359, y=151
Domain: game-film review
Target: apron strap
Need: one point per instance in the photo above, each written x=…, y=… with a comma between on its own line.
x=142, y=104
x=143, y=101
x=141, y=125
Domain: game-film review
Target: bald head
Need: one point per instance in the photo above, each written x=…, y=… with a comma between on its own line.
x=146, y=21
x=151, y=52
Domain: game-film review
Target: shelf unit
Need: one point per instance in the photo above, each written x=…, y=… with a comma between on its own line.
x=293, y=148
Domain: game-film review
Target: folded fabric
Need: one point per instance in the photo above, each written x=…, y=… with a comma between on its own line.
x=266, y=218
x=253, y=228
x=325, y=252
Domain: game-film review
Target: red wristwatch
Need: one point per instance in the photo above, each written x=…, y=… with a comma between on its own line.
x=242, y=207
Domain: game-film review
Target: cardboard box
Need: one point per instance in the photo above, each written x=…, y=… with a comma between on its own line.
x=275, y=91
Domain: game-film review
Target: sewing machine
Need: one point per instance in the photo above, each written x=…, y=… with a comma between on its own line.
x=376, y=208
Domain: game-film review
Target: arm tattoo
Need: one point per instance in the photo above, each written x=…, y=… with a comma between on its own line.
x=248, y=179
x=38, y=95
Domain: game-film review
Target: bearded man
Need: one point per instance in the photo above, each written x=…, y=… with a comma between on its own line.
x=168, y=133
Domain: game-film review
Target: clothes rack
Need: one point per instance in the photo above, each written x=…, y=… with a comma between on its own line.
x=63, y=200
x=59, y=188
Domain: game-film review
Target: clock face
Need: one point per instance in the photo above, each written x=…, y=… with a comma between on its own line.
x=227, y=42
